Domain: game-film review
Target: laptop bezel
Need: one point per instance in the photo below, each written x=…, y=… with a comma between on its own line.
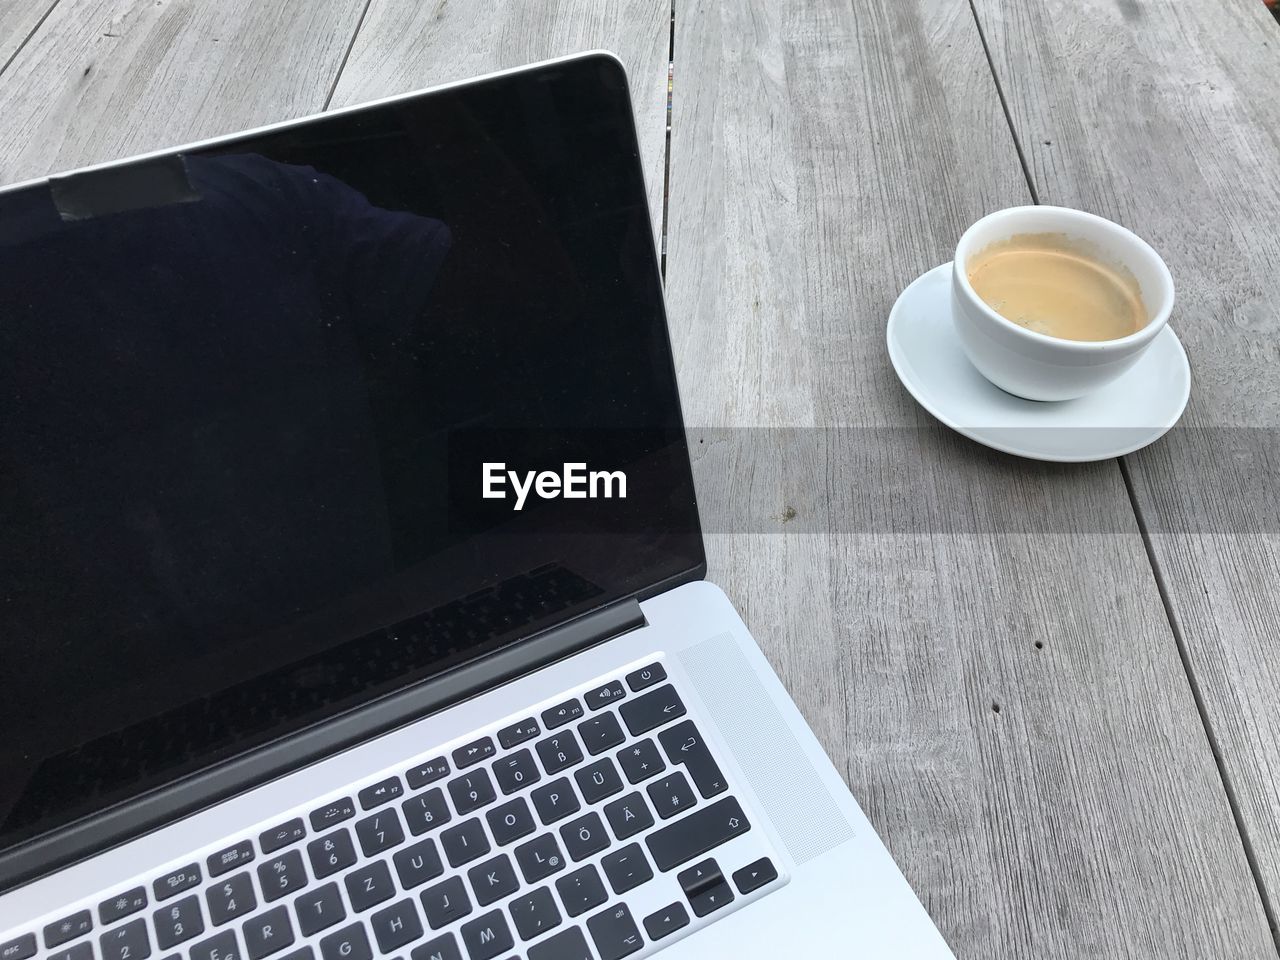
x=88, y=836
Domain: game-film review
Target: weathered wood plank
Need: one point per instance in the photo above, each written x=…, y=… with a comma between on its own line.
x=823, y=155
x=405, y=46
x=18, y=18
x=103, y=79
x=1164, y=117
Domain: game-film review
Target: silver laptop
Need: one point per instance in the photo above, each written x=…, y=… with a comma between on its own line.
x=352, y=594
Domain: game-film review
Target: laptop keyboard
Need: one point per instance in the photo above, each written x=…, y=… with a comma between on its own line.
x=531, y=841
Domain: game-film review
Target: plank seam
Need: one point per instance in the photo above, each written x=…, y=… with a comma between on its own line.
x=347, y=55
x=1179, y=640
x=1004, y=105
x=27, y=39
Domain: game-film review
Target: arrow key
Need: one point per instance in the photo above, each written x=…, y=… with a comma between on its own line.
x=615, y=932
x=755, y=875
x=712, y=898
x=666, y=921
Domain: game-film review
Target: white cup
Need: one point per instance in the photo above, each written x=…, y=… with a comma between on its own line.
x=1037, y=366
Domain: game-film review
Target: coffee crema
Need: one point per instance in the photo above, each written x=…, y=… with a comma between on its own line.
x=1044, y=282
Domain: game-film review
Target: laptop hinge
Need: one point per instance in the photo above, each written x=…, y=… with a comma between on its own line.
x=190, y=794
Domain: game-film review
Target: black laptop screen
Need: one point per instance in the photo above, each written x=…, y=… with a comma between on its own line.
x=247, y=396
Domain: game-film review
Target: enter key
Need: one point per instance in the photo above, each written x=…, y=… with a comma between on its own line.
x=683, y=744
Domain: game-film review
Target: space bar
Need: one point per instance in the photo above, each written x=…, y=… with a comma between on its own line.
x=697, y=833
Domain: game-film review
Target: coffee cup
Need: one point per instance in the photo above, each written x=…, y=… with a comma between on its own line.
x=1035, y=365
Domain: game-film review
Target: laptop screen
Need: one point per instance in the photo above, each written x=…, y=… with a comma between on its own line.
x=292, y=422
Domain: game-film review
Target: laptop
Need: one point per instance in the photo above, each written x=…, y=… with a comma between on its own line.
x=352, y=595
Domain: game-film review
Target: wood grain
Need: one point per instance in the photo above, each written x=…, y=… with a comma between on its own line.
x=1164, y=117
x=405, y=46
x=823, y=155
x=103, y=79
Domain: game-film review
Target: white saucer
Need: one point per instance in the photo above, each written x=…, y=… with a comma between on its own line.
x=1126, y=415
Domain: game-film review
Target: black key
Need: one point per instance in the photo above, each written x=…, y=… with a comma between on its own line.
x=444, y=947
x=611, y=692
x=428, y=772
x=652, y=710
x=445, y=902
x=221, y=946
x=559, y=751
x=349, y=943
x=291, y=831
x=369, y=886
x=178, y=922
x=518, y=733
x=176, y=881
x=671, y=795
x=516, y=771
x=684, y=744
x=474, y=752
x=705, y=829
x=493, y=880
x=712, y=898
x=666, y=921
x=626, y=868
x=20, y=948
x=305, y=953
x=319, y=909
x=535, y=913
x=472, y=791
x=282, y=875
x=755, y=875
x=465, y=842
x=637, y=680
x=699, y=877
x=396, y=925
x=584, y=836
x=628, y=815
x=539, y=858
x=598, y=780
x=555, y=801
x=426, y=811
x=487, y=936
x=331, y=853
x=80, y=951
x=615, y=933
x=380, y=832
x=224, y=861
x=68, y=928
x=109, y=911
x=230, y=898
x=640, y=761
x=376, y=794
x=128, y=941
x=569, y=944
x=705, y=886
x=510, y=822
x=581, y=890
x=561, y=714
x=417, y=864
x=267, y=933
x=336, y=811
x=600, y=733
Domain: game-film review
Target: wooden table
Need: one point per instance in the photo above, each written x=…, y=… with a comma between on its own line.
x=1055, y=690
